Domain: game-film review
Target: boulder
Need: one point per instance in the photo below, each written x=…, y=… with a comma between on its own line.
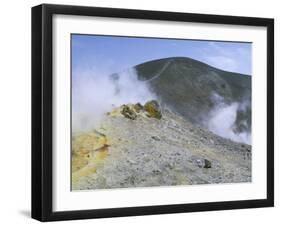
x=128, y=112
x=207, y=164
x=203, y=163
x=153, y=109
x=138, y=107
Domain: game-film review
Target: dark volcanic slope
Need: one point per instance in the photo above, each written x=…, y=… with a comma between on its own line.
x=190, y=88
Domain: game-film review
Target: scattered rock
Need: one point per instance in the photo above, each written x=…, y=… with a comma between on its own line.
x=128, y=113
x=204, y=163
x=156, y=138
x=157, y=171
x=207, y=164
x=170, y=166
x=153, y=109
x=138, y=107
x=131, y=161
x=199, y=163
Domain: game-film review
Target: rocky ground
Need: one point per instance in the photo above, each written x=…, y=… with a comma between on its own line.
x=139, y=146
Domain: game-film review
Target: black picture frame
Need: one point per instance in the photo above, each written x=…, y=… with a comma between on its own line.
x=42, y=196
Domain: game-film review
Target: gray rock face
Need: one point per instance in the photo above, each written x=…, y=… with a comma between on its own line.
x=147, y=151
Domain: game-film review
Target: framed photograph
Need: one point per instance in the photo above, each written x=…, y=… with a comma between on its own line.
x=145, y=112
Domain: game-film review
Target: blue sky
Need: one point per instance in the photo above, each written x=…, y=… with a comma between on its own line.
x=114, y=54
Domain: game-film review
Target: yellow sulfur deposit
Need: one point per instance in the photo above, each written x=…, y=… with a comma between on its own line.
x=88, y=153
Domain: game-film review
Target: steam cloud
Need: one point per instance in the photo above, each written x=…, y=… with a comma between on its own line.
x=222, y=119
x=96, y=93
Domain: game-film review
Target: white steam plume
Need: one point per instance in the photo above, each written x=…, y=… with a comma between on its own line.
x=221, y=120
x=95, y=93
